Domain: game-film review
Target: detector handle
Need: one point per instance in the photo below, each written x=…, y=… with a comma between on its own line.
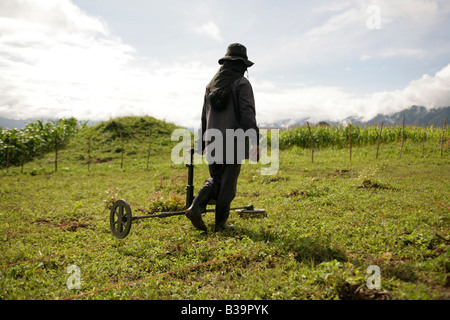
x=190, y=183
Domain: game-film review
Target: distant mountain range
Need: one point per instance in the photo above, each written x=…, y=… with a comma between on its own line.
x=415, y=115
x=6, y=123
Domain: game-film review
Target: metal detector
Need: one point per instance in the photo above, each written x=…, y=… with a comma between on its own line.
x=121, y=217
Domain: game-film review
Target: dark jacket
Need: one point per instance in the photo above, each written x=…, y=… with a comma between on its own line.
x=239, y=113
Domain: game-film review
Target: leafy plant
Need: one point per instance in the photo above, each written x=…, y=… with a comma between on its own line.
x=19, y=146
x=170, y=202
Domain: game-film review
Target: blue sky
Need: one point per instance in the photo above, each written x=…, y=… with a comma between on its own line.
x=316, y=60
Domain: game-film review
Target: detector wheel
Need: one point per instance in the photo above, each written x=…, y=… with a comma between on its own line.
x=120, y=219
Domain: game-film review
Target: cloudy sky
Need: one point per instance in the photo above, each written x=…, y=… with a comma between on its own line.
x=321, y=60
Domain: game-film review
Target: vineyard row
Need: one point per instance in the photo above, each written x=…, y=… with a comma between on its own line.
x=18, y=146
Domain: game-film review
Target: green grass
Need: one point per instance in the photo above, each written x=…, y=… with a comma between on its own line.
x=326, y=222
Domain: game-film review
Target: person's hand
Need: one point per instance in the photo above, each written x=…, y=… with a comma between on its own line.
x=255, y=154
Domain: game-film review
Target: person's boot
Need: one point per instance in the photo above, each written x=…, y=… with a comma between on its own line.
x=198, y=206
x=222, y=213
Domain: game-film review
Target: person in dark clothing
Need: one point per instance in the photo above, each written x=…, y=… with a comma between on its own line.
x=228, y=106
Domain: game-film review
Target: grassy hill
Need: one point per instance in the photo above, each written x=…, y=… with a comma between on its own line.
x=130, y=136
x=326, y=223
x=128, y=141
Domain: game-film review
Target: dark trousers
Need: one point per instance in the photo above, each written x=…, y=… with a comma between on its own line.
x=223, y=181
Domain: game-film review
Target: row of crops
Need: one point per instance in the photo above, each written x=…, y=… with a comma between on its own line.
x=340, y=136
x=18, y=146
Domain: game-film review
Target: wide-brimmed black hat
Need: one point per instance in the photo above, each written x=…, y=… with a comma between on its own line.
x=236, y=51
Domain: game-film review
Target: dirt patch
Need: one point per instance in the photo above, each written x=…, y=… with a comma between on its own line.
x=72, y=224
x=66, y=224
x=311, y=192
x=375, y=185
x=42, y=221
x=340, y=173
x=295, y=193
x=103, y=160
x=364, y=293
x=74, y=227
x=274, y=179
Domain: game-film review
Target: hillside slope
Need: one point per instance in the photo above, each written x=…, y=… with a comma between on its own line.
x=108, y=140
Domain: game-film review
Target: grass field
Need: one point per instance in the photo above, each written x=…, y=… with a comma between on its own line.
x=326, y=222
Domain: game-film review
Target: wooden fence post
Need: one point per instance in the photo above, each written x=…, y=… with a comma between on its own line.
x=22, y=157
x=7, y=156
x=121, y=139
x=424, y=138
x=379, y=139
x=312, y=142
x=41, y=150
x=149, y=146
x=442, y=139
x=403, y=136
x=56, y=152
x=350, y=139
x=89, y=154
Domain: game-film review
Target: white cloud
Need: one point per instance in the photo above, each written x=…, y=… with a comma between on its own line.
x=318, y=103
x=338, y=33
x=402, y=52
x=49, y=17
x=428, y=91
x=332, y=6
x=208, y=29
x=58, y=61
x=302, y=102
